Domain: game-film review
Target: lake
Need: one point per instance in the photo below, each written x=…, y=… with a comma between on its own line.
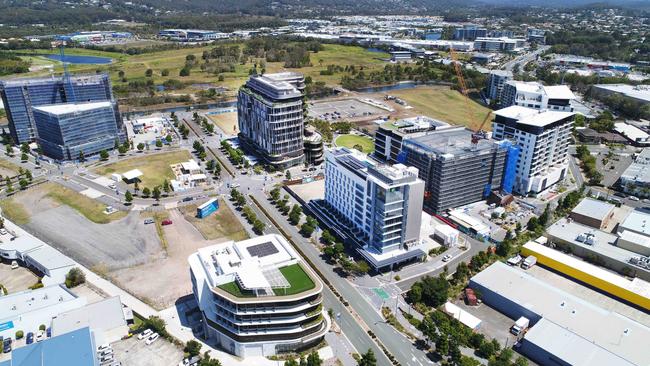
x=74, y=59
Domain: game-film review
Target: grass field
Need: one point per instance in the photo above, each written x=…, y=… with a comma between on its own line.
x=91, y=209
x=227, y=122
x=221, y=224
x=14, y=211
x=349, y=141
x=444, y=104
x=298, y=280
x=154, y=167
x=8, y=168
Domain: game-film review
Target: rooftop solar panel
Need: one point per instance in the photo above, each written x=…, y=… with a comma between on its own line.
x=262, y=250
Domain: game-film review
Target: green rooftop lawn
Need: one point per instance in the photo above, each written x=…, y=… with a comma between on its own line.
x=298, y=280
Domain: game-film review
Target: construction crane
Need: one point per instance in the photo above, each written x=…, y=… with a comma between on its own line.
x=66, y=75
x=478, y=134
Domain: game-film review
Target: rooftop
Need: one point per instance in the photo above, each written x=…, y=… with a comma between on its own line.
x=449, y=142
x=639, y=170
x=132, y=174
x=68, y=108
x=637, y=221
x=71, y=349
x=574, y=317
x=558, y=92
x=100, y=316
x=23, y=302
x=641, y=92
x=593, y=208
x=532, y=117
x=631, y=132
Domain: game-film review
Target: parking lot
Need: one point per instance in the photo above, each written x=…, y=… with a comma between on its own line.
x=493, y=323
x=16, y=280
x=342, y=110
x=134, y=352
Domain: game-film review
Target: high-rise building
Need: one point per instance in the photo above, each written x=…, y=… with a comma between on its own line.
x=380, y=205
x=257, y=297
x=389, y=135
x=470, y=32
x=496, y=82
x=535, y=95
x=19, y=96
x=270, y=113
x=501, y=44
x=66, y=130
x=543, y=137
x=457, y=172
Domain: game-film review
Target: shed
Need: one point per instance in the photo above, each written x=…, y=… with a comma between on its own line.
x=132, y=175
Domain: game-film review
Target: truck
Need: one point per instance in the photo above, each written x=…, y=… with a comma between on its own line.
x=529, y=262
x=520, y=325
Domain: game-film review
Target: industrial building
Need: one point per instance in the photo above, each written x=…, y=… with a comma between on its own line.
x=457, y=172
x=496, y=82
x=76, y=348
x=593, y=213
x=191, y=35
x=257, y=297
x=19, y=96
x=389, y=135
x=543, y=138
x=535, y=95
x=64, y=131
x=634, y=233
x=270, y=114
x=633, y=134
x=381, y=204
x=634, y=93
x=566, y=330
x=635, y=291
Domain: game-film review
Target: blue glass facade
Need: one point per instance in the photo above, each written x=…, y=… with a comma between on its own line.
x=63, y=134
x=20, y=95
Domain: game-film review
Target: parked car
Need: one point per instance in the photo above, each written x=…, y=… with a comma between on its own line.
x=152, y=338
x=14, y=265
x=3, y=231
x=40, y=336
x=145, y=334
x=48, y=332
x=446, y=258
x=103, y=347
x=515, y=261
x=634, y=198
x=189, y=361
x=112, y=186
x=148, y=221
x=30, y=338
x=187, y=199
x=6, y=345
x=106, y=352
x=166, y=222
x=107, y=358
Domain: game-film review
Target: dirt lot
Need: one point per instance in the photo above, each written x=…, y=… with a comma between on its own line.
x=16, y=280
x=221, y=224
x=227, y=122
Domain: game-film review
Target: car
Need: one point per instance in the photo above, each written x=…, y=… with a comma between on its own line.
x=152, y=338
x=145, y=334
x=187, y=199
x=30, y=338
x=40, y=336
x=634, y=198
x=189, y=361
x=244, y=172
x=6, y=345
x=148, y=221
x=48, y=332
x=234, y=185
x=166, y=222
x=103, y=347
x=14, y=265
x=112, y=186
x=3, y=231
x=107, y=358
x=106, y=352
x=446, y=258
x=515, y=261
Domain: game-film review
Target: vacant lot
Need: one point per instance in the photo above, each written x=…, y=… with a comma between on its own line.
x=444, y=104
x=367, y=144
x=8, y=168
x=221, y=224
x=14, y=211
x=154, y=167
x=91, y=209
x=227, y=122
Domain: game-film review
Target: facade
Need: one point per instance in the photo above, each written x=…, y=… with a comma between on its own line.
x=500, y=44
x=455, y=172
x=389, y=136
x=496, y=82
x=257, y=297
x=565, y=329
x=382, y=204
x=470, y=32
x=270, y=113
x=536, y=35
x=66, y=130
x=636, y=177
x=313, y=144
x=207, y=208
x=191, y=35
x=21, y=95
x=535, y=95
x=543, y=138
x=593, y=213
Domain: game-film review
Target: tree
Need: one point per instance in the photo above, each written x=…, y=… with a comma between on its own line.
x=24, y=157
x=103, y=155
x=520, y=361
x=291, y=362
x=159, y=144
x=148, y=73
x=166, y=187
x=75, y=277
x=122, y=150
x=358, y=147
x=10, y=150
x=442, y=345
x=217, y=169
x=210, y=128
x=164, y=72
x=169, y=139
x=23, y=183
x=128, y=197
x=258, y=227
x=294, y=216
x=185, y=71
x=82, y=158
x=313, y=359
x=156, y=324
x=146, y=192
x=156, y=193
x=24, y=148
x=275, y=194
x=367, y=359
x=140, y=146
x=240, y=200
x=136, y=186
x=307, y=230
x=197, y=146
x=192, y=348
x=287, y=175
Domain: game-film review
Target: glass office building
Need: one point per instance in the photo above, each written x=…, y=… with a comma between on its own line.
x=65, y=130
x=19, y=96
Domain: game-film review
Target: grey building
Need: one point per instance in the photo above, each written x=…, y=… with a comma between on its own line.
x=496, y=82
x=19, y=96
x=66, y=130
x=313, y=144
x=389, y=135
x=270, y=113
x=470, y=32
x=456, y=173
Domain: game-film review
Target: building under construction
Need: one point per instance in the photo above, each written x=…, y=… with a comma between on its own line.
x=458, y=172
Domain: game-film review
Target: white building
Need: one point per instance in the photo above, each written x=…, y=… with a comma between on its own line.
x=535, y=95
x=543, y=139
x=498, y=44
x=257, y=297
x=496, y=81
x=381, y=203
x=636, y=178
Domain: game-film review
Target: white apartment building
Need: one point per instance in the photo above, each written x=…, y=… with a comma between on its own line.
x=496, y=81
x=381, y=204
x=258, y=297
x=543, y=138
x=535, y=95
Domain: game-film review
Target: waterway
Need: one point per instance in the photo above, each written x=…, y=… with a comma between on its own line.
x=74, y=59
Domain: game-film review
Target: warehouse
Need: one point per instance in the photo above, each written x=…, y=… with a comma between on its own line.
x=566, y=330
x=593, y=213
x=635, y=292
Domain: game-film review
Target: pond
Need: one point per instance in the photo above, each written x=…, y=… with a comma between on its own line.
x=74, y=59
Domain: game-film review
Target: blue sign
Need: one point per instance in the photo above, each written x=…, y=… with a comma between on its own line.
x=6, y=326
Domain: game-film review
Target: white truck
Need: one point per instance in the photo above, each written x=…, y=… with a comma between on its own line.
x=529, y=262
x=520, y=325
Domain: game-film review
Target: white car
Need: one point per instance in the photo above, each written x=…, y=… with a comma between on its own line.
x=152, y=338
x=103, y=347
x=3, y=231
x=14, y=265
x=634, y=198
x=40, y=336
x=446, y=258
x=145, y=334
